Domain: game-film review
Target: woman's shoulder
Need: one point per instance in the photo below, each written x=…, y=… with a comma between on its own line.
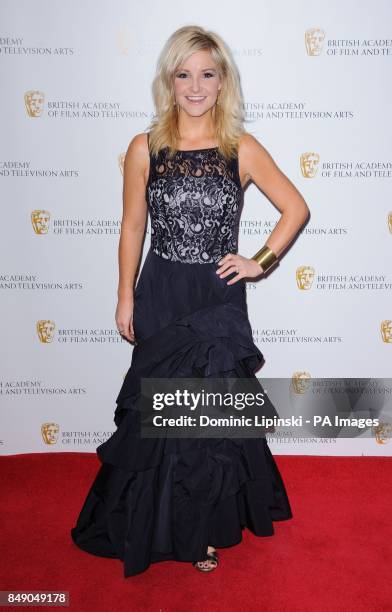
x=137, y=154
x=139, y=143
x=247, y=141
x=250, y=147
x=252, y=155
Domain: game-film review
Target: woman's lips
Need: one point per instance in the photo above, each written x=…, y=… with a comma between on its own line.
x=196, y=99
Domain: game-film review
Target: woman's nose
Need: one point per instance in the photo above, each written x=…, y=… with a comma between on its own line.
x=195, y=85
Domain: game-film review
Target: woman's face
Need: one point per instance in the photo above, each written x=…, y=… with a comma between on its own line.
x=196, y=84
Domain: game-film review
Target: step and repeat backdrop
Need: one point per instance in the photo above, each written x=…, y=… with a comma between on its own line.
x=76, y=88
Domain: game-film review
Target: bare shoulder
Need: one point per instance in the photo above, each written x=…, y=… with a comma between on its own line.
x=251, y=154
x=139, y=143
x=249, y=145
x=137, y=156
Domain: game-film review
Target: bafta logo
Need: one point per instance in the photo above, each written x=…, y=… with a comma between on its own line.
x=309, y=163
x=390, y=221
x=40, y=221
x=305, y=276
x=45, y=331
x=300, y=382
x=382, y=433
x=121, y=159
x=34, y=102
x=123, y=42
x=386, y=331
x=50, y=432
x=314, y=38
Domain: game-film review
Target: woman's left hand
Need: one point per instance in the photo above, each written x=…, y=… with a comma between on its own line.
x=243, y=267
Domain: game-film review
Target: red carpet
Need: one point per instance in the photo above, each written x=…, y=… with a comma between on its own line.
x=334, y=555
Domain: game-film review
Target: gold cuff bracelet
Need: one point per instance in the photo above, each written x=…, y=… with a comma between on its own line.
x=265, y=258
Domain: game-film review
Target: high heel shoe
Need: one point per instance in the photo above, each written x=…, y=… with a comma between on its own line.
x=205, y=565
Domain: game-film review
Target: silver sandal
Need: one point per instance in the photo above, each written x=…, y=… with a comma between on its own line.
x=211, y=556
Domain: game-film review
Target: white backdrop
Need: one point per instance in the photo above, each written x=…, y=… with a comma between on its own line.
x=77, y=87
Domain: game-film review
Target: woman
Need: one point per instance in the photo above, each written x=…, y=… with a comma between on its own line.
x=181, y=499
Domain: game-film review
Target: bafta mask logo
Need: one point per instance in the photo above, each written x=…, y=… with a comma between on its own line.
x=309, y=164
x=123, y=42
x=40, y=221
x=34, y=102
x=390, y=221
x=314, y=38
x=305, y=276
x=382, y=433
x=300, y=382
x=121, y=159
x=45, y=331
x=386, y=331
x=50, y=432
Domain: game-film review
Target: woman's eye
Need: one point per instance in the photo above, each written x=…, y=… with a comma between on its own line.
x=183, y=74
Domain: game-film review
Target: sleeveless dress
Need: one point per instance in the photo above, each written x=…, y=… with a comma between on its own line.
x=168, y=499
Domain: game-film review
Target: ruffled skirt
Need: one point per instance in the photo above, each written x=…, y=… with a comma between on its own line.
x=157, y=499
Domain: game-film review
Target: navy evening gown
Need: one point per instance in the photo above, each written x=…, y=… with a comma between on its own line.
x=167, y=499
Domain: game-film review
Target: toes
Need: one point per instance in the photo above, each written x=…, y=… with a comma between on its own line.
x=208, y=564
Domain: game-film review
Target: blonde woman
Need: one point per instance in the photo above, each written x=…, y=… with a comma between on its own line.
x=182, y=499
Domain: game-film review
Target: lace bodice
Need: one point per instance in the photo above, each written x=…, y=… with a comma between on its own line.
x=195, y=202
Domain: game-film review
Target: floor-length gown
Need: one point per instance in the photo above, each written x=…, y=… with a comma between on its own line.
x=168, y=499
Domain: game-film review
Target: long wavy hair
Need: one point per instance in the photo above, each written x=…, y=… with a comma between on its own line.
x=228, y=113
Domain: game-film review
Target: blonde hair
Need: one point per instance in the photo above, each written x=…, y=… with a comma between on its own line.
x=228, y=114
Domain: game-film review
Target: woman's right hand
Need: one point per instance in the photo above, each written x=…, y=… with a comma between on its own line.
x=124, y=318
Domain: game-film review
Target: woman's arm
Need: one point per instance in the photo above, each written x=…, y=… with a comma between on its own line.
x=256, y=164
x=134, y=216
x=133, y=224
